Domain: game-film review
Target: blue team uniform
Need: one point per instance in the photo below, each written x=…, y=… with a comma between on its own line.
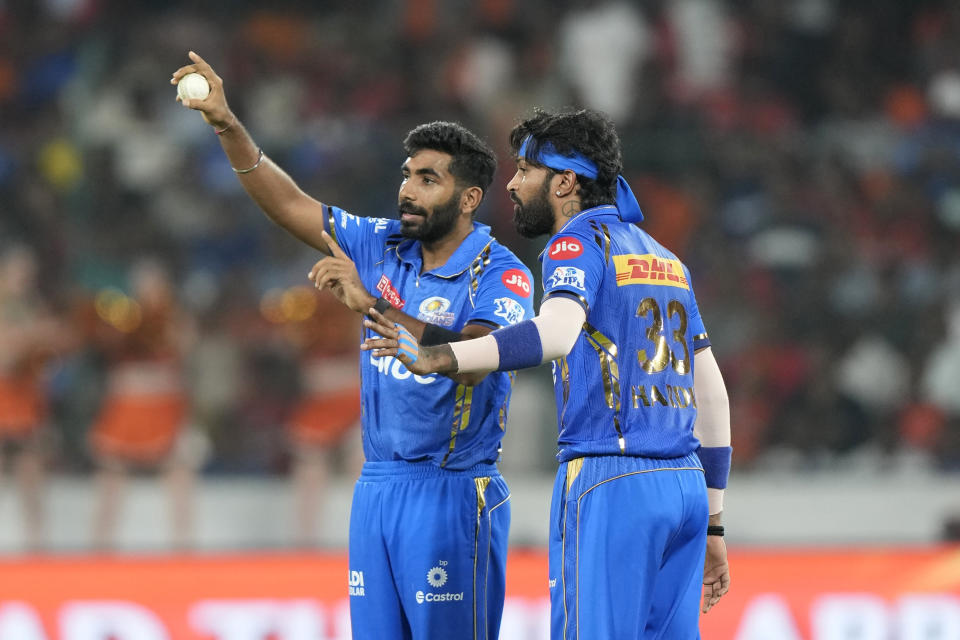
x=430, y=514
x=629, y=511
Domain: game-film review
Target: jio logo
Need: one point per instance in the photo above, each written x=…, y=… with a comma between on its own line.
x=516, y=281
x=564, y=248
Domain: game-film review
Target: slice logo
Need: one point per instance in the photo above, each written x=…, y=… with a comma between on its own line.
x=516, y=281
x=565, y=248
x=649, y=269
x=355, y=580
x=509, y=309
x=389, y=293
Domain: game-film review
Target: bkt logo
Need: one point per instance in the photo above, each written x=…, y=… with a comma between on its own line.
x=355, y=580
x=516, y=281
x=438, y=597
x=390, y=366
x=564, y=248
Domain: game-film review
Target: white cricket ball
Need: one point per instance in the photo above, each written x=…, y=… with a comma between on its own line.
x=193, y=86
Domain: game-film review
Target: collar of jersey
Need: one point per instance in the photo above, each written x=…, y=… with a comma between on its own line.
x=409, y=251
x=602, y=210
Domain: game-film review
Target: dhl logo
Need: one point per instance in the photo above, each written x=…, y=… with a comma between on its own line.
x=649, y=269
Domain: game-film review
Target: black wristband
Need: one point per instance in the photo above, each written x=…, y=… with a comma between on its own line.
x=381, y=305
x=715, y=530
x=434, y=335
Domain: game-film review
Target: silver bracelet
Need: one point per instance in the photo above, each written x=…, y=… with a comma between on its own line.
x=256, y=164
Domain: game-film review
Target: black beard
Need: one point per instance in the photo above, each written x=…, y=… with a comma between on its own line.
x=436, y=225
x=534, y=218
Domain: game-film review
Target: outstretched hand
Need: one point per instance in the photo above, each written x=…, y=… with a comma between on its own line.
x=716, y=572
x=394, y=341
x=339, y=274
x=214, y=107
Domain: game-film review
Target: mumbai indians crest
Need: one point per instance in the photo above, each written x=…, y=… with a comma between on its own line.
x=433, y=310
x=568, y=277
x=509, y=309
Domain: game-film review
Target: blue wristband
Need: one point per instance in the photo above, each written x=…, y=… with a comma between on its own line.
x=716, y=465
x=519, y=346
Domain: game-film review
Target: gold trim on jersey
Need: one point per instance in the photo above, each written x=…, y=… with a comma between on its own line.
x=699, y=336
x=564, y=367
x=461, y=416
x=574, y=467
x=482, y=484
x=602, y=238
x=610, y=373
x=502, y=417
x=332, y=223
x=476, y=268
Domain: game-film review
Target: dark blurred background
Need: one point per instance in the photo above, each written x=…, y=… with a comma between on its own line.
x=803, y=158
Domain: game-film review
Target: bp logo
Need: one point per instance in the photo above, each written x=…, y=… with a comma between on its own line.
x=437, y=577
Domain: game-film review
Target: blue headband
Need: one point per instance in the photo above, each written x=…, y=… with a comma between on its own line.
x=581, y=165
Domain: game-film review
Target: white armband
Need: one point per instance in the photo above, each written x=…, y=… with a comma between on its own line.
x=558, y=326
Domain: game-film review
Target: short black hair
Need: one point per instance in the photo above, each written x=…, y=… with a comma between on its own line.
x=472, y=163
x=584, y=131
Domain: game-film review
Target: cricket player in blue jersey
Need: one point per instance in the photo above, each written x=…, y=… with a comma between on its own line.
x=644, y=426
x=430, y=513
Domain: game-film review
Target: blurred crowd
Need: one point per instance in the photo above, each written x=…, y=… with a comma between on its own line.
x=803, y=158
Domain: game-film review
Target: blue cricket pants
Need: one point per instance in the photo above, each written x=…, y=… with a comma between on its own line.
x=428, y=552
x=628, y=537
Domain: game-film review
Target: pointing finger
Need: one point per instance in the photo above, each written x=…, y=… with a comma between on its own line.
x=332, y=245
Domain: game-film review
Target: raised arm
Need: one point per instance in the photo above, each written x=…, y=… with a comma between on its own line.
x=269, y=186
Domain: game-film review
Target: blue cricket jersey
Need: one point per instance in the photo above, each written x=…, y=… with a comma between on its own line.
x=633, y=360
x=432, y=418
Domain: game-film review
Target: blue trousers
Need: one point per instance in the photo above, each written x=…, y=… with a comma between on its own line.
x=428, y=552
x=628, y=537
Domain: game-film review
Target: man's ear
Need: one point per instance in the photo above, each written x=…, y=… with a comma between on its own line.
x=566, y=185
x=470, y=199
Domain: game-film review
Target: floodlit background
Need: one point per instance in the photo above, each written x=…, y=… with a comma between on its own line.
x=803, y=158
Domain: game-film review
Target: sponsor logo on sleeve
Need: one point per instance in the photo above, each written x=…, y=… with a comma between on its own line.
x=389, y=293
x=565, y=248
x=435, y=310
x=567, y=277
x=649, y=269
x=517, y=281
x=509, y=309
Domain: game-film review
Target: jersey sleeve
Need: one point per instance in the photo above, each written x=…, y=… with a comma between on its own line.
x=362, y=239
x=504, y=295
x=698, y=332
x=573, y=266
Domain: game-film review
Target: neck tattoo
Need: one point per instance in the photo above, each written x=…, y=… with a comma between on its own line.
x=570, y=208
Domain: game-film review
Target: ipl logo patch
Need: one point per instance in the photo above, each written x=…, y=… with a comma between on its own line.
x=568, y=277
x=509, y=309
x=434, y=311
